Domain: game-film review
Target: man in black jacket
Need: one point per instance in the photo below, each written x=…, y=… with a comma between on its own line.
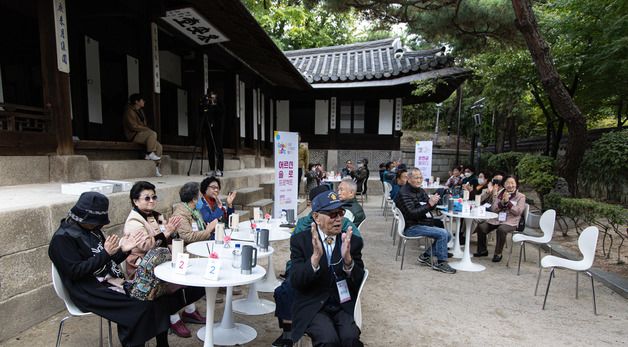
x=415, y=205
x=326, y=273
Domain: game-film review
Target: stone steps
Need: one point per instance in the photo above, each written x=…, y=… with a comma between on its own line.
x=269, y=189
x=248, y=195
x=122, y=169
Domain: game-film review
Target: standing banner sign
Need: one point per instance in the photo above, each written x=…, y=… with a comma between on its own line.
x=61, y=35
x=423, y=157
x=286, y=167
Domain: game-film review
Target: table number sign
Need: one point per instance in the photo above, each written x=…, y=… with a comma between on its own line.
x=213, y=269
x=181, y=265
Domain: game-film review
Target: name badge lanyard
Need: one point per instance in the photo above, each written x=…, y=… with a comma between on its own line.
x=341, y=285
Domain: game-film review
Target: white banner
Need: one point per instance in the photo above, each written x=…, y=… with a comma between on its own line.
x=286, y=175
x=423, y=157
x=61, y=34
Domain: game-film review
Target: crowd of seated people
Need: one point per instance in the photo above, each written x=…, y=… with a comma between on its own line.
x=325, y=249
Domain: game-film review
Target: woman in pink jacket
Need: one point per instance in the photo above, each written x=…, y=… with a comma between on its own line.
x=157, y=233
x=509, y=205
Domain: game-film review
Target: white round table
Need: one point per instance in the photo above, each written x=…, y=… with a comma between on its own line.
x=252, y=305
x=228, y=277
x=465, y=263
x=277, y=233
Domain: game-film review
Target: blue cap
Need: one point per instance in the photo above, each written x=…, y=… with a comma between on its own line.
x=326, y=201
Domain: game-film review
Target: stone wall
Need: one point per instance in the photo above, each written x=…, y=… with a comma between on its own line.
x=442, y=160
x=26, y=294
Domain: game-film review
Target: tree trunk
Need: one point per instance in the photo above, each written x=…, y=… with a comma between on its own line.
x=499, y=133
x=556, y=91
x=620, y=105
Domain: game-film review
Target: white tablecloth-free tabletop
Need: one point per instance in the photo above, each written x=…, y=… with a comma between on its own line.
x=252, y=305
x=228, y=277
x=465, y=263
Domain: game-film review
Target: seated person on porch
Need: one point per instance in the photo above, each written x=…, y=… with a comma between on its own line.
x=137, y=130
x=284, y=294
x=210, y=205
x=509, y=205
x=143, y=220
x=192, y=228
x=327, y=271
x=414, y=204
x=88, y=266
x=353, y=210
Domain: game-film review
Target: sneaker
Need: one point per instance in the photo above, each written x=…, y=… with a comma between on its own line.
x=180, y=329
x=218, y=173
x=157, y=173
x=424, y=259
x=152, y=156
x=444, y=267
x=194, y=317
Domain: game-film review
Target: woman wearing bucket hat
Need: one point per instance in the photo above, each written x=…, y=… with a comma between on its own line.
x=88, y=266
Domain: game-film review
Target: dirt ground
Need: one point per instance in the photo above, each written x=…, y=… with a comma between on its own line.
x=422, y=307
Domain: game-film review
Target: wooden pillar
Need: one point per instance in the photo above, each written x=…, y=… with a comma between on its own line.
x=56, y=84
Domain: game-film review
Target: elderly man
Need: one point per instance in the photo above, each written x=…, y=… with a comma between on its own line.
x=348, y=170
x=327, y=271
x=415, y=205
x=353, y=210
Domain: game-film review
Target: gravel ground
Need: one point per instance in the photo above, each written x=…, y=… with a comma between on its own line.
x=421, y=307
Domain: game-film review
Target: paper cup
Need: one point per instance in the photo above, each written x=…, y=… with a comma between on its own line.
x=177, y=247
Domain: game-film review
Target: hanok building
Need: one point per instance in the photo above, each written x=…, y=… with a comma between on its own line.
x=356, y=105
x=67, y=68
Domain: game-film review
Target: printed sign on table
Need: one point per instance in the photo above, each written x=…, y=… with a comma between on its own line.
x=286, y=172
x=423, y=157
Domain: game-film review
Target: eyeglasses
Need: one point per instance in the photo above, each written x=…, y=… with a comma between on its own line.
x=334, y=214
x=149, y=198
x=214, y=187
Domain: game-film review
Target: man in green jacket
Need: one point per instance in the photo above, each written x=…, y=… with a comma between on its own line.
x=353, y=210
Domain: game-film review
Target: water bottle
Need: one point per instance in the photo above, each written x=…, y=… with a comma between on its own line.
x=237, y=257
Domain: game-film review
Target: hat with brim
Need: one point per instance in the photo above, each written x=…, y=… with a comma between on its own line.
x=327, y=201
x=91, y=208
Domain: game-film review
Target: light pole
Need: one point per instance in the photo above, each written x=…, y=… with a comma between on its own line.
x=477, y=119
x=438, y=106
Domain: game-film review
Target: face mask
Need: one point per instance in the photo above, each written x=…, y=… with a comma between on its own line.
x=467, y=174
x=480, y=181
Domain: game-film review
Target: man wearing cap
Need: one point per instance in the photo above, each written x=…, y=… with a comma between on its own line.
x=87, y=263
x=326, y=273
x=284, y=294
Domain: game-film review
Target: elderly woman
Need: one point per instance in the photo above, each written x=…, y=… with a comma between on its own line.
x=145, y=222
x=193, y=227
x=509, y=205
x=210, y=206
x=88, y=266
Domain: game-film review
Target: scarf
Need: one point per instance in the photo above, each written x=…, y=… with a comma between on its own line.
x=211, y=203
x=196, y=215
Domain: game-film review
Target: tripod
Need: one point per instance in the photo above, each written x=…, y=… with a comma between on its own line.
x=203, y=121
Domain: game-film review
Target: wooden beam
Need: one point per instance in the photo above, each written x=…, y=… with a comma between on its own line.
x=56, y=84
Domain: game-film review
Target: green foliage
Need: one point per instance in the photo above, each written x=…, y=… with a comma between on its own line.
x=538, y=172
x=506, y=162
x=303, y=24
x=610, y=219
x=605, y=165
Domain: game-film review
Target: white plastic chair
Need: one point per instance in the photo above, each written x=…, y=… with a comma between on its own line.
x=74, y=311
x=401, y=225
x=357, y=313
x=587, y=243
x=393, y=225
x=548, y=219
x=386, y=199
x=361, y=224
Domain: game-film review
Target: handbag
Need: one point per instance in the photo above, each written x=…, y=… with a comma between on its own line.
x=146, y=286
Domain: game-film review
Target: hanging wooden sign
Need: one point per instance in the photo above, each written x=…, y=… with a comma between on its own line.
x=191, y=24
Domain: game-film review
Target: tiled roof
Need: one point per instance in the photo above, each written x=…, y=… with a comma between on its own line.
x=365, y=61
